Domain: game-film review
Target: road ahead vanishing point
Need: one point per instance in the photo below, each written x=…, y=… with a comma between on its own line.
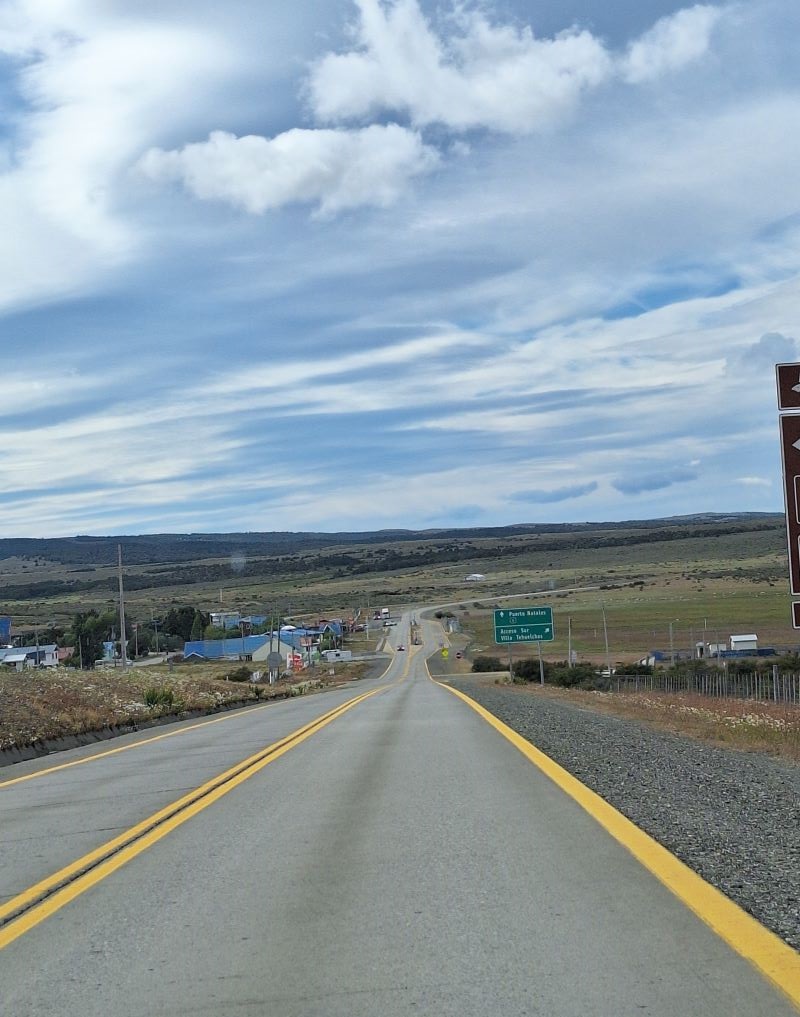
x=379, y=850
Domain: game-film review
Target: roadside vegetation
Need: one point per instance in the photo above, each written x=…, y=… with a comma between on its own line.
x=41, y=704
x=743, y=724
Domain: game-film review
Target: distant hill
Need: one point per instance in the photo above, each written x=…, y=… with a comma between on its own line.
x=168, y=548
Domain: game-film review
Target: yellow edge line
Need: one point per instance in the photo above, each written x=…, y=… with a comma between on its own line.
x=125, y=748
x=164, y=820
x=766, y=951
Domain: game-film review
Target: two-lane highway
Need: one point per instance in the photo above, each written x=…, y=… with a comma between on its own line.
x=394, y=855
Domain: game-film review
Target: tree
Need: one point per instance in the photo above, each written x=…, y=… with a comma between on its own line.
x=180, y=621
x=89, y=631
x=197, y=626
x=140, y=642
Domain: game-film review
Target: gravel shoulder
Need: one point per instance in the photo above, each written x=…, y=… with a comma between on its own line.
x=732, y=816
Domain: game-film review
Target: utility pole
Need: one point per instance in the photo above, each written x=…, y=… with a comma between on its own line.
x=605, y=637
x=569, y=641
x=123, y=638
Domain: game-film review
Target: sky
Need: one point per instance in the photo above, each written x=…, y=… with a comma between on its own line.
x=365, y=264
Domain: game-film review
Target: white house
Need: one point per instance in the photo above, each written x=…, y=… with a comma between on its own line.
x=746, y=642
x=474, y=577
x=278, y=646
x=331, y=656
x=21, y=657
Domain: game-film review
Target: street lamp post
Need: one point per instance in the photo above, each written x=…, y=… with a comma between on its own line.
x=605, y=639
x=672, y=645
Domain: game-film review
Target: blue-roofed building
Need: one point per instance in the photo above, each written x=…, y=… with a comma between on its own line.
x=298, y=638
x=239, y=648
x=235, y=648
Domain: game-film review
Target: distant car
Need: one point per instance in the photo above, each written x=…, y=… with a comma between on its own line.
x=401, y=647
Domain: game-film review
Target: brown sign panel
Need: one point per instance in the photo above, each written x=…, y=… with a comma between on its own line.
x=788, y=386
x=796, y=615
x=790, y=454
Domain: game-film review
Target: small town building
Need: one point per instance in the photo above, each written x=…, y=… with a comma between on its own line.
x=743, y=643
x=225, y=619
x=21, y=657
x=331, y=656
x=236, y=648
x=285, y=649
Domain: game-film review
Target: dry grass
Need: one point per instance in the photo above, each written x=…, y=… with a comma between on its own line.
x=741, y=724
x=37, y=705
x=734, y=723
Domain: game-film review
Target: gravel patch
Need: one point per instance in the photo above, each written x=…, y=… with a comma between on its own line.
x=731, y=816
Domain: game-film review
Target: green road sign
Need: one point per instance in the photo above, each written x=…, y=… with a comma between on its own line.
x=524, y=625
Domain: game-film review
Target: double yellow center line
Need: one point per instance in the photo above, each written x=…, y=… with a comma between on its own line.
x=32, y=906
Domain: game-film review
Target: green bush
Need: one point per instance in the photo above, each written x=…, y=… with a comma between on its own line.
x=480, y=664
x=239, y=674
x=155, y=696
x=558, y=672
x=790, y=662
x=527, y=670
x=569, y=677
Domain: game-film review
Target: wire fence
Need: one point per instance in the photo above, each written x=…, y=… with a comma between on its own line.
x=774, y=687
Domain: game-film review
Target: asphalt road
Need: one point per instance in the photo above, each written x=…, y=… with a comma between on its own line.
x=402, y=859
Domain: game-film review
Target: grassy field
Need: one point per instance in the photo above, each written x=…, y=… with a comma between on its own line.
x=708, y=578
x=638, y=618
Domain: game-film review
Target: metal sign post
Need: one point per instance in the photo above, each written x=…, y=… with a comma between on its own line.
x=788, y=379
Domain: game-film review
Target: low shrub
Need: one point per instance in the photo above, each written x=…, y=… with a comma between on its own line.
x=155, y=696
x=481, y=664
x=240, y=674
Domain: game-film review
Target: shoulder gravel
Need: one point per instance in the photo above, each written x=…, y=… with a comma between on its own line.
x=733, y=817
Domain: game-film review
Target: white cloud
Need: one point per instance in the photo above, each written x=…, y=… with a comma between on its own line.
x=337, y=169
x=671, y=43
x=495, y=76
x=93, y=100
x=535, y=309
x=754, y=481
x=487, y=75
